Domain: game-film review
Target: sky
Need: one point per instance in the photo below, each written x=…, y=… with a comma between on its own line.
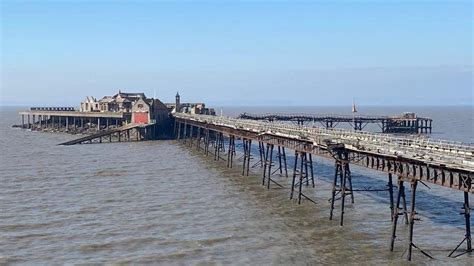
x=54, y=53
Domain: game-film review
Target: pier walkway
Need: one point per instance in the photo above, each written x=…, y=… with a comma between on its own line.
x=408, y=123
x=127, y=132
x=412, y=159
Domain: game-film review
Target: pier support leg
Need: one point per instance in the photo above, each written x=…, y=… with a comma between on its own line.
x=412, y=218
x=268, y=164
x=249, y=149
x=206, y=142
x=265, y=162
x=230, y=151
x=294, y=174
x=198, y=138
x=311, y=168
x=305, y=162
x=261, y=152
x=390, y=191
x=184, y=132
x=396, y=214
x=244, y=142
x=300, y=187
x=343, y=173
x=280, y=160
x=284, y=161
x=467, y=238
x=22, y=121
x=404, y=200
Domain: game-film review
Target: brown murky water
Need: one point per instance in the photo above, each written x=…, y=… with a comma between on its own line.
x=161, y=202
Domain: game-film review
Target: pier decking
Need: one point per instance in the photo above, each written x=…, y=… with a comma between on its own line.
x=412, y=159
x=388, y=124
x=71, y=121
x=127, y=132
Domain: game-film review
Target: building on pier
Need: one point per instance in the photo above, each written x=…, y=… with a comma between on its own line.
x=189, y=108
x=100, y=115
x=89, y=104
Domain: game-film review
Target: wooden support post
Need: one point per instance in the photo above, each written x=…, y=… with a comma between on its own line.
x=22, y=121
x=29, y=123
x=98, y=123
x=67, y=123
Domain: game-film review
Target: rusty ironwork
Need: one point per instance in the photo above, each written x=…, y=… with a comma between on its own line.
x=388, y=124
x=410, y=158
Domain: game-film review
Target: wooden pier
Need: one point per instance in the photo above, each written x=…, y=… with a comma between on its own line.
x=412, y=160
x=407, y=124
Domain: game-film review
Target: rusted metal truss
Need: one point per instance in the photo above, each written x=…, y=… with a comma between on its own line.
x=456, y=175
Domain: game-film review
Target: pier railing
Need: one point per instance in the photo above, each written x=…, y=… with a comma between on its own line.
x=442, y=152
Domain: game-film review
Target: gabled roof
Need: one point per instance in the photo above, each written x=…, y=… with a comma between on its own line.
x=106, y=99
x=90, y=99
x=141, y=100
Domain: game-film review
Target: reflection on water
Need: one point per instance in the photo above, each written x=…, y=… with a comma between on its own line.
x=163, y=202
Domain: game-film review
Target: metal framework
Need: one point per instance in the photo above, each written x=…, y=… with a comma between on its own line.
x=412, y=159
x=388, y=124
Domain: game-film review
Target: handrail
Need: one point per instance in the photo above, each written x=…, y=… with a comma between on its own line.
x=323, y=116
x=411, y=147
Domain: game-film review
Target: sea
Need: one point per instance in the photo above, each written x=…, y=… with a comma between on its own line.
x=161, y=202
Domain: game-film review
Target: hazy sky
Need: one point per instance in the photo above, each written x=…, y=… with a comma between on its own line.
x=239, y=53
